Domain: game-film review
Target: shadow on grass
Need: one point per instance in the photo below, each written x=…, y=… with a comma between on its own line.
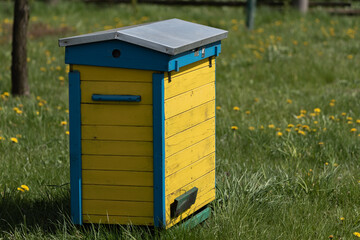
x=17, y=210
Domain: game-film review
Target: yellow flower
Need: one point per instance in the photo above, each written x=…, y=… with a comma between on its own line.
x=335, y=164
x=236, y=108
x=58, y=68
x=350, y=56
x=2, y=138
x=300, y=116
x=331, y=236
x=279, y=134
x=290, y=125
x=312, y=114
x=342, y=218
x=43, y=69
x=302, y=111
x=332, y=104
x=251, y=128
x=67, y=110
x=316, y=122
x=358, y=121
x=306, y=43
x=295, y=42
x=343, y=114
x=333, y=100
x=271, y=126
x=67, y=133
x=262, y=127
x=321, y=143
x=6, y=94
x=37, y=113
x=14, y=140
x=356, y=234
x=349, y=122
x=331, y=117
x=247, y=112
x=349, y=118
x=61, y=78
x=317, y=110
x=63, y=123
x=234, y=128
x=326, y=163
x=289, y=101
x=41, y=104
x=256, y=99
x=25, y=187
x=288, y=129
x=218, y=107
x=18, y=135
x=353, y=130
x=302, y=132
x=20, y=189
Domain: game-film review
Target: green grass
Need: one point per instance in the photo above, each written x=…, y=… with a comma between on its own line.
x=268, y=186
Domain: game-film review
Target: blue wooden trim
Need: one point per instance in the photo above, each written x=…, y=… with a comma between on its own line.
x=75, y=146
x=116, y=98
x=159, y=150
x=133, y=56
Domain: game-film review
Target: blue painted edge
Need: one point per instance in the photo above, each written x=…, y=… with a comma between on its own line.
x=75, y=146
x=159, y=150
x=116, y=98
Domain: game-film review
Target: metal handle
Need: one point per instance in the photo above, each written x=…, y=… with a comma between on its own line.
x=116, y=98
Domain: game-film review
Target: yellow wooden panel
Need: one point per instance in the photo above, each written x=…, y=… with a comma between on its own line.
x=200, y=202
x=122, y=208
x=189, y=155
x=189, y=81
x=189, y=118
x=191, y=67
x=121, y=193
x=128, y=148
x=125, y=163
x=112, y=74
x=131, y=133
x=111, y=114
x=190, y=173
x=190, y=99
x=123, y=220
x=88, y=88
x=204, y=184
x=123, y=178
x=189, y=137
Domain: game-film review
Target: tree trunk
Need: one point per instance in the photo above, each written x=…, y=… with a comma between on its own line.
x=19, y=75
x=302, y=5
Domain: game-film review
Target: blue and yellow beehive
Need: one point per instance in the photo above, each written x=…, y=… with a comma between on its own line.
x=142, y=122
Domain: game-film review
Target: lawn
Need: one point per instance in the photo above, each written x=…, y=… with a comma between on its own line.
x=288, y=125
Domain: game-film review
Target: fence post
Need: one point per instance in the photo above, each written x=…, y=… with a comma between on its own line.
x=250, y=13
x=302, y=5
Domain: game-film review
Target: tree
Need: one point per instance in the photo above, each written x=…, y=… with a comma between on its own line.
x=19, y=75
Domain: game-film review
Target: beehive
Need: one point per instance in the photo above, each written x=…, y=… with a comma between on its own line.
x=142, y=122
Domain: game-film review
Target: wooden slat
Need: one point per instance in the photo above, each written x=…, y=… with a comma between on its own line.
x=190, y=173
x=88, y=88
x=189, y=81
x=124, y=163
x=105, y=114
x=189, y=137
x=122, y=178
x=188, y=100
x=204, y=184
x=122, y=208
x=123, y=220
x=120, y=193
x=131, y=133
x=189, y=155
x=189, y=118
x=113, y=74
x=127, y=148
x=199, y=203
x=190, y=68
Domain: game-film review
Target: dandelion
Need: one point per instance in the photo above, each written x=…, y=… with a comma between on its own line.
x=342, y=219
x=358, y=121
x=289, y=101
x=251, y=128
x=317, y=110
x=290, y=125
x=58, y=68
x=326, y=163
x=256, y=99
x=218, y=107
x=331, y=117
x=331, y=236
x=61, y=78
x=279, y=134
x=41, y=104
x=26, y=188
x=236, y=108
x=316, y=122
x=63, y=123
x=295, y=42
x=349, y=122
x=37, y=113
x=2, y=138
x=288, y=129
x=14, y=140
x=357, y=234
x=20, y=189
x=353, y=130
x=271, y=126
x=302, y=132
x=302, y=111
x=350, y=56
x=335, y=164
x=262, y=127
x=343, y=114
x=321, y=143
x=247, y=112
x=43, y=69
x=67, y=133
x=67, y=110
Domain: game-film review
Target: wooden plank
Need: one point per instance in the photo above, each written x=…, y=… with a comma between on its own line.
x=189, y=118
x=88, y=88
x=190, y=173
x=123, y=220
x=102, y=114
x=189, y=155
x=200, y=202
x=189, y=137
x=189, y=68
x=131, y=133
x=189, y=81
x=120, y=193
x=197, y=219
x=122, y=163
x=127, y=148
x=93, y=73
x=203, y=183
x=122, y=178
x=122, y=208
x=188, y=100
